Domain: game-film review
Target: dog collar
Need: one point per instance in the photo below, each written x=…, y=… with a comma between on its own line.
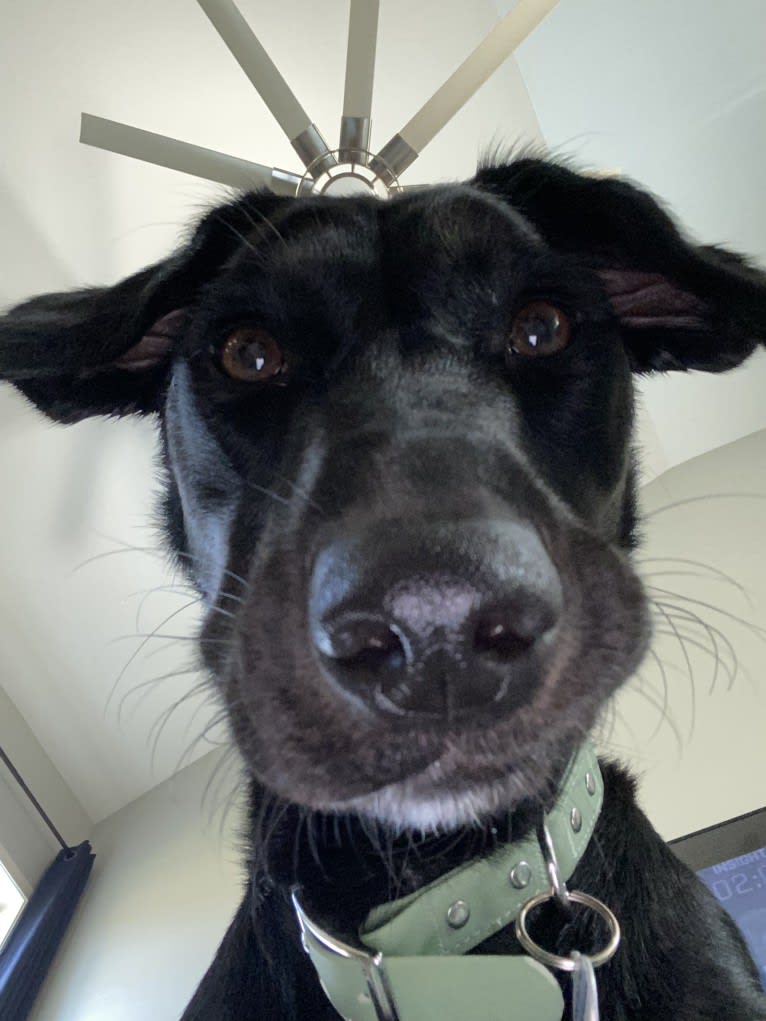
x=409, y=966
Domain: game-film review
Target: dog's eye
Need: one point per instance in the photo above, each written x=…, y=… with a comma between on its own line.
x=539, y=329
x=251, y=355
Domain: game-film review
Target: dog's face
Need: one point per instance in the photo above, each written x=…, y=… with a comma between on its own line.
x=399, y=466
x=430, y=607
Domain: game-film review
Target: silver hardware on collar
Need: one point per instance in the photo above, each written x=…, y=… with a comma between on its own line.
x=380, y=991
x=520, y=875
x=458, y=914
x=372, y=964
x=568, y=963
x=575, y=819
x=590, y=784
x=558, y=886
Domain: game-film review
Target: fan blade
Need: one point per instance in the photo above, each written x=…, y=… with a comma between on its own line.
x=189, y=159
x=273, y=89
x=397, y=154
x=360, y=71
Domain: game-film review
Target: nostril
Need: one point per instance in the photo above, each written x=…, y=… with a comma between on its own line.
x=506, y=632
x=496, y=638
x=367, y=643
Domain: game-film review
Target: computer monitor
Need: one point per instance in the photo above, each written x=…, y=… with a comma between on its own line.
x=730, y=859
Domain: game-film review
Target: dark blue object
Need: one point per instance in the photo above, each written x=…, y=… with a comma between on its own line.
x=740, y=886
x=31, y=946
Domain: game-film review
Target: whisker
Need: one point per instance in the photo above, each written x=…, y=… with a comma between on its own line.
x=176, y=590
x=263, y=220
x=147, y=686
x=675, y=631
x=160, y=648
x=226, y=764
x=718, y=663
x=266, y=492
x=158, y=727
x=663, y=674
x=302, y=493
x=714, y=634
x=708, y=569
x=219, y=567
x=759, y=632
x=219, y=717
x=201, y=640
x=149, y=550
x=660, y=706
x=142, y=645
x=698, y=499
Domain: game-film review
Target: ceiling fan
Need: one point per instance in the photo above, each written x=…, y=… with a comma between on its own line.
x=352, y=167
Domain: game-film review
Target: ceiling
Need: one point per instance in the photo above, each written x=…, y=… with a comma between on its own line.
x=669, y=91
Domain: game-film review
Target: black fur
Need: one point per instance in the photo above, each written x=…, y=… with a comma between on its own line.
x=405, y=441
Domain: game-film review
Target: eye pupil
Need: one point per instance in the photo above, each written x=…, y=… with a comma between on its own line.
x=539, y=329
x=252, y=355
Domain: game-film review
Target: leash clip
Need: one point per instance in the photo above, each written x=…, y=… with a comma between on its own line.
x=559, y=890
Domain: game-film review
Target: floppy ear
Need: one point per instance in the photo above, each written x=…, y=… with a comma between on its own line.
x=682, y=306
x=107, y=350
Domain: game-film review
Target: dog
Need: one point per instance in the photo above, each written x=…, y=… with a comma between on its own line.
x=399, y=469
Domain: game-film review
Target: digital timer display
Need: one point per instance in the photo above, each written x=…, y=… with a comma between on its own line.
x=740, y=886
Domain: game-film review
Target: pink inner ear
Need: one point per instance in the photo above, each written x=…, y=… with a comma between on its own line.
x=642, y=299
x=155, y=345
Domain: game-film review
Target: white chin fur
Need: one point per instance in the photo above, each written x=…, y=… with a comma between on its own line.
x=437, y=814
x=416, y=804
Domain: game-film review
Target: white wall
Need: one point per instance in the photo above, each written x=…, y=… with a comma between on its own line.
x=699, y=741
x=164, y=886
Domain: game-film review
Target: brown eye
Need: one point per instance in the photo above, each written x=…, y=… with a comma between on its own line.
x=251, y=355
x=539, y=329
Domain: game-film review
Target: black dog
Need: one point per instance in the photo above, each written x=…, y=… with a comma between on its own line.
x=399, y=469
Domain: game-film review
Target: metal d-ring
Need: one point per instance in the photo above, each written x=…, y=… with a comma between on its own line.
x=555, y=960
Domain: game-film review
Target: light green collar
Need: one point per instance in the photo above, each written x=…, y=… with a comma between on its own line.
x=409, y=964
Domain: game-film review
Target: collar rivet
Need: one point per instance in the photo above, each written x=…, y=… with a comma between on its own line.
x=520, y=875
x=458, y=914
x=590, y=784
x=575, y=818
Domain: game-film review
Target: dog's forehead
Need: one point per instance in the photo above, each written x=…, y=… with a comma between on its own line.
x=444, y=217
x=459, y=214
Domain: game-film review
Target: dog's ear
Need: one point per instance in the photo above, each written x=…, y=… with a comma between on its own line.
x=107, y=350
x=682, y=306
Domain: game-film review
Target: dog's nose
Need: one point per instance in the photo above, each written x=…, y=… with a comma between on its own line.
x=438, y=620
